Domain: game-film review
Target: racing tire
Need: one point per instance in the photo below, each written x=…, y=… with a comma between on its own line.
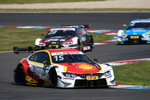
x=15, y=49
x=91, y=44
x=119, y=44
x=53, y=77
x=19, y=76
x=79, y=46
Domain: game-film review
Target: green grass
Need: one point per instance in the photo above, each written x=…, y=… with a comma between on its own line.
x=10, y=37
x=39, y=1
x=100, y=37
x=74, y=10
x=134, y=74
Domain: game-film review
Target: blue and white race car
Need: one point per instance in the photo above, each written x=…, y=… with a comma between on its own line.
x=138, y=31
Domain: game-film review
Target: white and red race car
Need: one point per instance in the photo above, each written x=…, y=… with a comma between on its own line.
x=67, y=37
x=63, y=68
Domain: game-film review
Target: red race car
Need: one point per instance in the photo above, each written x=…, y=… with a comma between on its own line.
x=64, y=68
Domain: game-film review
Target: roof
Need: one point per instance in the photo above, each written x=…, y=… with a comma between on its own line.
x=64, y=28
x=64, y=51
x=141, y=20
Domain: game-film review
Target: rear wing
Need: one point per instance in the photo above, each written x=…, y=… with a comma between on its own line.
x=77, y=25
x=29, y=49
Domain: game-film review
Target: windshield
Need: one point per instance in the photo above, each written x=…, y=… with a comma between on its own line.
x=65, y=33
x=139, y=25
x=71, y=58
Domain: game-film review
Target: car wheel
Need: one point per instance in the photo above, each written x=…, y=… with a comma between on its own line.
x=91, y=43
x=79, y=46
x=15, y=49
x=53, y=77
x=119, y=43
x=19, y=76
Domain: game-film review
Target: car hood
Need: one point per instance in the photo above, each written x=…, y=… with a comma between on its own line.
x=81, y=68
x=136, y=31
x=57, y=38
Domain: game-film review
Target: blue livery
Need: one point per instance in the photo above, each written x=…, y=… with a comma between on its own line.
x=138, y=31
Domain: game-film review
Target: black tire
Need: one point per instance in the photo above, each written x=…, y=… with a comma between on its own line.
x=91, y=44
x=15, y=49
x=19, y=76
x=118, y=43
x=30, y=49
x=79, y=46
x=53, y=77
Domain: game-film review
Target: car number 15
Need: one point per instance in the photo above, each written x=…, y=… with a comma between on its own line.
x=59, y=58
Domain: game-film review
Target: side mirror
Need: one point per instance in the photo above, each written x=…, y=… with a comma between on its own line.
x=124, y=25
x=96, y=60
x=45, y=63
x=43, y=33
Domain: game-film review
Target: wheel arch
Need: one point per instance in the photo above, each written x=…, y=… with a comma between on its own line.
x=52, y=68
x=19, y=75
x=53, y=80
x=24, y=64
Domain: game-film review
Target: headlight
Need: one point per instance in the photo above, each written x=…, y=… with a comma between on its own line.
x=70, y=75
x=68, y=43
x=146, y=35
x=124, y=35
x=107, y=74
x=42, y=43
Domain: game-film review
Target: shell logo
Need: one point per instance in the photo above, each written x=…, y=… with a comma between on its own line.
x=85, y=66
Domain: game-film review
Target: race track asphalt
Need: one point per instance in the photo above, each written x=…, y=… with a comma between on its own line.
x=111, y=21
x=105, y=53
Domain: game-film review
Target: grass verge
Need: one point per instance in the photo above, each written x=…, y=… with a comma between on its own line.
x=100, y=37
x=75, y=10
x=11, y=37
x=40, y=1
x=18, y=37
x=133, y=74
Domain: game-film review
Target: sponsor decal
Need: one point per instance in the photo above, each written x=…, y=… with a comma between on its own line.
x=53, y=39
x=47, y=40
x=134, y=37
x=85, y=66
x=92, y=77
x=30, y=80
x=62, y=40
x=70, y=40
x=66, y=52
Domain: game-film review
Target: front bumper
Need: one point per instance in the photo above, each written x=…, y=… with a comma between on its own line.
x=61, y=46
x=93, y=83
x=128, y=39
x=80, y=82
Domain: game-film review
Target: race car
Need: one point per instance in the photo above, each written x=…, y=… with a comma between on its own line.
x=62, y=68
x=138, y=31
x=69, y=36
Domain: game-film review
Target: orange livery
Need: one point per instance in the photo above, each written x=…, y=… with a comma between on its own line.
x=64, y=68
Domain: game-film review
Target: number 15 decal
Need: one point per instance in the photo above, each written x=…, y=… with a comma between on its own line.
x=59, y=57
